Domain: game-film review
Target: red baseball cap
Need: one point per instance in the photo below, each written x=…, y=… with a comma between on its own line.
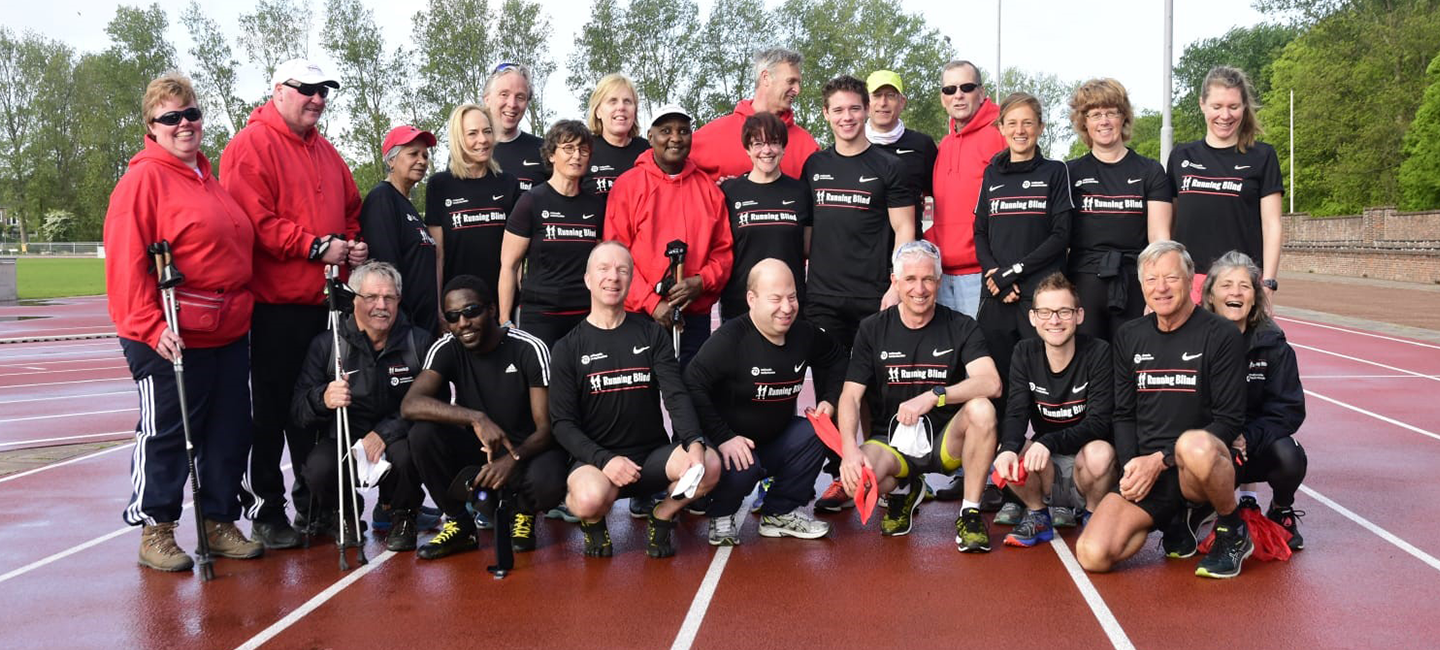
x=406, y=134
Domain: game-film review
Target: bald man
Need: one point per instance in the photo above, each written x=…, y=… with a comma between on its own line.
x=746, y=383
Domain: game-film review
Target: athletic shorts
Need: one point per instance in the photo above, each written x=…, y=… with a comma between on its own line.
x=653, y=478
x=839, y=316
x=1165, y=499
x=938, y=461
x=1063, y=492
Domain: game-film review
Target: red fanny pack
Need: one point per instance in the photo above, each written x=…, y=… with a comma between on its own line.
x=200, y=310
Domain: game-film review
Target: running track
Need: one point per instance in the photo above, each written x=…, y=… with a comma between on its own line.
x=1367, y=578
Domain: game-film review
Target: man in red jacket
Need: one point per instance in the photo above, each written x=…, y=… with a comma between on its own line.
x=300, y=195
x=965, y=151
x=718, y=149
x=666, y=198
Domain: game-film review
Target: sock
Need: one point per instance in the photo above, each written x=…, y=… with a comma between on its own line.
x=1247, y=493
x=1231, y=521
x=966, y=504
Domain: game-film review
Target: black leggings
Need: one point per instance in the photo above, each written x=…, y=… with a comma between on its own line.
x=1282, y=464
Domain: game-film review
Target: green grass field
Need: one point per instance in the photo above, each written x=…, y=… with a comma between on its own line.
x=58, y=277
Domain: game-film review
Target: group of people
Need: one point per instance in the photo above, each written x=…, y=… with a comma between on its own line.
x=518, y=339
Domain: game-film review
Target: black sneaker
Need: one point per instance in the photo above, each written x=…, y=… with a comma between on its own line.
x=900, y=511
x=522, y=533
x=1227, y=553
x=971, y=533
x=991, y=499
x=275, y=534
x=952, y=492
x=699, y=507
x=1289, y=519
x=453, y=538
x=657, y=537
x=640, y=507
x=1181, y=537
x=403, y=533
x=597, y=539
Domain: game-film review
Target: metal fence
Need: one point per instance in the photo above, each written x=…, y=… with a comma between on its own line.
x=65, y=248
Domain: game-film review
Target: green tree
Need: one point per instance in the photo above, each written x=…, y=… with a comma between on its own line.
x=215, y=79
x=725, y=73
x=371, y=80
x=456, y=59
x=1054, y=95
x=600, y=49
x=1252, y=49
x=523, y=36
x=275, y=32
x=1420, y=173
x=22, y=63
x=663, y=50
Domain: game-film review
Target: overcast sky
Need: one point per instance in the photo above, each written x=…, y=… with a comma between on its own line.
x=1074, y=40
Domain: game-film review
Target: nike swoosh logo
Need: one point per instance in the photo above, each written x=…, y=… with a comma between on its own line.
x=639, y=350
x=1080, y=387
x=1186, y=356
x=867, y=180
x=1239, y=167
x=996, y=187
x=802, y=365
x=904, y=151
x=786, y=202
x=587, y=216
x=1133, y=181
x=497, y=197
x=529, y=164
x=941, y=353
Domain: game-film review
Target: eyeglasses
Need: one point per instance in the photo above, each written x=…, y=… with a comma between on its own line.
x=471, y=311
x=964, y=88
x=309, y=90
x=571, y=149
x=761, y=144
x=373, y=298
x=173, y=117
x=1096, y=116
x=1065, y=313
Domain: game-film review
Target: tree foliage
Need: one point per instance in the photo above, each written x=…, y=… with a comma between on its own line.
x=371, y=77
x=275, y=32
x=1420, y=173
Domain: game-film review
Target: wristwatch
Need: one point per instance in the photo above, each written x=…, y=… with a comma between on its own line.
x=1271, y=284
x=939, y=392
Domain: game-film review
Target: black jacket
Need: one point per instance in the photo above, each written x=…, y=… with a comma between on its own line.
x=378, y=381
x=1274, y=398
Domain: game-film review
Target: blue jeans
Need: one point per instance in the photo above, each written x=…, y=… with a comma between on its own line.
x=961, y=293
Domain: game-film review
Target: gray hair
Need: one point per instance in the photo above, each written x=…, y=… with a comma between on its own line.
x=389, y=157
x=364, y=271
x=913, y=249
x=1259, y=315
x=1158, y=249
x=962, y=63
x=766, y=60
x=509, y=68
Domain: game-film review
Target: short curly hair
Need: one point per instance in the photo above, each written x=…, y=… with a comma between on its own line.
x=1101, y=93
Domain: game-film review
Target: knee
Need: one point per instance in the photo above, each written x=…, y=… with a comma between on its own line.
x=712, y=472
x=1196, y=450
x=1095, y=459
x=1091, y=553
x=422, y=437
x=980, y=416
x=588, y=500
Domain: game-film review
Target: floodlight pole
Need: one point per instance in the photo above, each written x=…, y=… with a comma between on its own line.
x=1167, y=129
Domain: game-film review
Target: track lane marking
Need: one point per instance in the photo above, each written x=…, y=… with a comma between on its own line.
x=1373, y=414
x=63, y=463
x=315, y=602
x=1369, y=525
x=67, y=415
x=1360, y=332
x=1102, y=612
x=55, y=397
x=696, y=614
x=67, y=383
x=1367, y=361
x=127, y=432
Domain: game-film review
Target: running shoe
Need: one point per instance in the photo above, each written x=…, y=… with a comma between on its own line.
x=657, y=537
x=453, y=538
x=1181, y=537
x=760, y=491
x=795, y=523
x=522, y=533
x=1035, y=527
x=1289, y=519
x=971, y=533
x=640, y=507
x=834, y=499
x=562, y=513
x=597, y=539
x=900, y=510
x=403, y=532
x=1010, y=514
x=724, y=531
x=426, y=518
x=1064, y=517
x=1231, y=548
x=954, y=491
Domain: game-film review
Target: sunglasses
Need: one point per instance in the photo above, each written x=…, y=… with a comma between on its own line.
x=173, y=117
x=505, y=66
x=310, y=90
x=964, y=88
x=471, y=311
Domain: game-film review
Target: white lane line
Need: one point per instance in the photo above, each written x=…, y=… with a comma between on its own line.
x=1360, y=332
x=1369, y=525
x=107, y=357
x=52, y=372
x=1305, y=377
x=67, y=383
x=66, y=462
x=1373, y=414
x=1107, y=621
x=65, y=553
x=314, y=603
x=66, y=415
x=1367, y=361
x=37, y=441
x=696, y=615
x=81, y=396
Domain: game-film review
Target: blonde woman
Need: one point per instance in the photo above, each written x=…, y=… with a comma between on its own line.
x=617, y=141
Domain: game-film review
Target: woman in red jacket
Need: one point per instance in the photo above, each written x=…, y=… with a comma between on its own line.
x=169, y=194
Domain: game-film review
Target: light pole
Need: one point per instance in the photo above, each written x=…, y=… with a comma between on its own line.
x=1167, y=130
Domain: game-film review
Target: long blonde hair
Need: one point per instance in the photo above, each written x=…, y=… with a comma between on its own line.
x=454, y=127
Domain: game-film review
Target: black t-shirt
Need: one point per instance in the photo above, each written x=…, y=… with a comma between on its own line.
x=496, y=383
x=851, y=198
x=471, y=212
x=395, y=234
x=897, y=363
x=1068, y=409
x=521, y=158
x=1023, y=216
x=608, y=162
x=562, y=230
x=605, y=398
x=1110, y=202
x=742, y=384
x=917, y=153
x=1217, y=198
x=1167, y=383
x=765, y=221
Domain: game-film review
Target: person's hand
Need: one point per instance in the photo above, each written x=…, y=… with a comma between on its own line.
x=492, y=438
x=336, y=252
x=621, y=471
x=1008, y=464
x=337, y=393
x=1037, y=458
x=359, y=252
x=735, y=453
x=850, y=468
x=685, y=291
x=826, y=409
x=1013, y=295
x=374, y=446
x=496, y=473
x=1240, y=450
x=694, y=455
x=911, y=409
x=990, y=285
x=169, y=345
x=662, y=314
x=890, y=299
x=1139, y=476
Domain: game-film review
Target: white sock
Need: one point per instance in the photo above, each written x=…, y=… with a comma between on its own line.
x=966, y=504
x=1247, y=493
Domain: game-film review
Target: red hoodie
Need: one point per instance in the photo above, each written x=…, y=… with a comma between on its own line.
x=717, y=149
x=294, y=189
x=647, y=209
x=160, y=197
x=958, y=169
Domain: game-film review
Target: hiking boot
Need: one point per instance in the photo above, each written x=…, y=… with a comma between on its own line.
x=795, y=523
x=522, y=533
x=657, y=537
x=1010, y=514
x=1035, y=527
x=453, y=538
x=1063, y=517
x=1289, y=519
x=276, y=534
x=971, y=533
x=227, y=541
x=834, y=499
x=1182, y=535
x=1232, y=546
x=900, y=510
x=403, y=530
x=158, y=549
x=760, y=491
x=562, y=513
x=954, y=491
x=724, y=531
x=597, y=539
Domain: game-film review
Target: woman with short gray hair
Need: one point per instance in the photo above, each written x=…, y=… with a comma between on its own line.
x=391, y=226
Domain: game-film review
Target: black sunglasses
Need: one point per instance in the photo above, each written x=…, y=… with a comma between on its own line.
x=964, y=88
x=310, y=90
x=471, y=311
x=173, y=117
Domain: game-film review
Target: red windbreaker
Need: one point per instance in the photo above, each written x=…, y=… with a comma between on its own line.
x=294, y=189
x=717, y=149
x=958, y=169
x=647, y=209
x=212, y=241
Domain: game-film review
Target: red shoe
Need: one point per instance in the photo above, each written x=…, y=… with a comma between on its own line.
x=834, y=499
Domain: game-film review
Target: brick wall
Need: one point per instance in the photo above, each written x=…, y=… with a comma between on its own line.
x=1381, y=243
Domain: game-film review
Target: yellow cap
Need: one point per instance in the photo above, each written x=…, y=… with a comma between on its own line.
x=881, y=78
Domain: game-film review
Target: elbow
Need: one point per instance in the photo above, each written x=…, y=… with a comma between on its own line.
x=408, y=408
x=995, y=389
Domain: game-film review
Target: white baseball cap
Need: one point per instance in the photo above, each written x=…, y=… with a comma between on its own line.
x=303, y=71
x=668, y=110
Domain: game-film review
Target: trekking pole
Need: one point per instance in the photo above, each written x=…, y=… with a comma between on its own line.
x=504, y=546
x=169, y=278
x=676, y=274
x=338, y=295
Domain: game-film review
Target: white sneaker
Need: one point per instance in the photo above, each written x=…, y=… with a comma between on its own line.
x=724, y=531
x=795, y=523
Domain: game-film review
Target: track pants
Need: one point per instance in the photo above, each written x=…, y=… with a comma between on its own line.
x=441, y=451
x=280, y=336
x=793, y=459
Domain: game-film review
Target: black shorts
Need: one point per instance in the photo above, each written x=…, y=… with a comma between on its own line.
x=653, y=478
x=938, y=461
x=1165, y=499
x=840, y=316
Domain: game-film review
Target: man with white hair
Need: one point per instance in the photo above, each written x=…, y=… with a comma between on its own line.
x=507, y=95
x=719, y=151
